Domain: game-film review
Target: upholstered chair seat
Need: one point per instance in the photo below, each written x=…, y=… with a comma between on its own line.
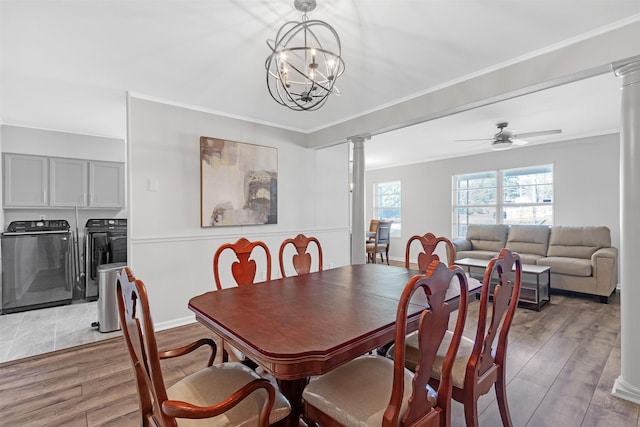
x=459, y=365
x=348, y=395
x=216, y=383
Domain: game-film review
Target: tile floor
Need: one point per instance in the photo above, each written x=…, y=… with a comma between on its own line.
x=40, y=331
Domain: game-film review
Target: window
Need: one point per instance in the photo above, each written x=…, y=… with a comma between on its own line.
x=386, y=205
x=511, y=196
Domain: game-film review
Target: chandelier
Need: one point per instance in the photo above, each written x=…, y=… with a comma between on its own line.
x=305, y=62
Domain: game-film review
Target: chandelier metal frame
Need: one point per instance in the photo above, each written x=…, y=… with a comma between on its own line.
x=302, y=69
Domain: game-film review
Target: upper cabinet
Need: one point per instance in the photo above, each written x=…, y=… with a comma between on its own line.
x=106, y=184
x=33, y=181
x=26, y=181
x=68, y=182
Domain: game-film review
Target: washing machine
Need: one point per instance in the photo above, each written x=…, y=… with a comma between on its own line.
x=105, y=243
x=37, y=267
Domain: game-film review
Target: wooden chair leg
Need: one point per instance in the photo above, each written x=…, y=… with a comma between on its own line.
x=471, y=412
x=501, y=397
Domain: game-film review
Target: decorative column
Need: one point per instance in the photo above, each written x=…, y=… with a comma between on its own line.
x=627, y=385
x=358, y=248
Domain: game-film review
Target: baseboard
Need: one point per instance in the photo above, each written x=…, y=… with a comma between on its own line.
x=626, y=391
x=161, y=326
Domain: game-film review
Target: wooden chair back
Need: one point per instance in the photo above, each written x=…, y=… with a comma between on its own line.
x=373, y=227
x=487, y=367
x=139, y=335
x=503, y=308
x=301, y=259
x=429, y=242
x=244, y=269
x=432, y=327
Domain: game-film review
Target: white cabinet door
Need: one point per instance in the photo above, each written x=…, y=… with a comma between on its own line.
x=106, y=185
x=68, y=182
x=25, y=180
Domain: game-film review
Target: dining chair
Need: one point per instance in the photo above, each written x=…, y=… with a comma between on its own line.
x=373, y=226
x=380, y=245
x=301, y=259
x=481, y=363
x=377, y=391
x=243, y=271
x=228, y=394
x=429, y=243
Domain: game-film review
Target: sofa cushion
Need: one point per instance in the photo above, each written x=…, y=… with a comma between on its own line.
x=566, y=265
x=476, y=254
x=488, y=237
x=528, y=239
x=529, y=258
x=577, y=242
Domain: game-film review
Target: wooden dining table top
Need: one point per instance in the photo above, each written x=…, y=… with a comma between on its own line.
x=301, y=326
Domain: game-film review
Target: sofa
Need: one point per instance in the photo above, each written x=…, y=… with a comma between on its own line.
x=581, y=257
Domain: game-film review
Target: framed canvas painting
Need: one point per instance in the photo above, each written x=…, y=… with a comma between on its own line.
x=238, y=183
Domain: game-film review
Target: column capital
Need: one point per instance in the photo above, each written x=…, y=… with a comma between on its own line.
x=623, y=68
x=360, y=138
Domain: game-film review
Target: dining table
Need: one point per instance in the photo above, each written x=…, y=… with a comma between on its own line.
x=302, y=326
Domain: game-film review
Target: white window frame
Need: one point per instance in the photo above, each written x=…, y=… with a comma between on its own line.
x=500, y=204
x=396, y=225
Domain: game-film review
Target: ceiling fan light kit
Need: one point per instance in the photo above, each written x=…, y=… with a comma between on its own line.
x=305, y=62
x=501, y=145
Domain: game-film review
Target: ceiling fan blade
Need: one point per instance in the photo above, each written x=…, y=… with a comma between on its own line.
x=517, y=141
x=474, y=140
x=539, y=133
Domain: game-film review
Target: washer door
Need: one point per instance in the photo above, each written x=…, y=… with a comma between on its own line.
x=98, y=253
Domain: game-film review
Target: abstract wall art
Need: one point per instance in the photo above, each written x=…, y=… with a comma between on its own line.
x=238, y=183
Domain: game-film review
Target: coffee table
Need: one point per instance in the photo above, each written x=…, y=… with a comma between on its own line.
x=533, y=295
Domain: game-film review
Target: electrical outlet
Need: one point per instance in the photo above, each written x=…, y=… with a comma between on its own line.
x=41, y=218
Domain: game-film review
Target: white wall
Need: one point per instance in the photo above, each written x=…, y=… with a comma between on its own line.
x=40, y=142
x=169, y=250
x=586, y=185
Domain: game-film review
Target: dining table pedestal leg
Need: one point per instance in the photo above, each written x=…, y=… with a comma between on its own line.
x=292, y=390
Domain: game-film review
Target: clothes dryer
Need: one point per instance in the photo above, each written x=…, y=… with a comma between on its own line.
x=105, y=243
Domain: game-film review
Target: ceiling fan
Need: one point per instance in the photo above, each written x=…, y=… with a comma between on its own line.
x=506, y=138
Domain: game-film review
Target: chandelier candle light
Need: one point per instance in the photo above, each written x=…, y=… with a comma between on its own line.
x=305, y=62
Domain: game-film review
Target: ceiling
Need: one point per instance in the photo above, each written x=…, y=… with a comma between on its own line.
x=67, y=65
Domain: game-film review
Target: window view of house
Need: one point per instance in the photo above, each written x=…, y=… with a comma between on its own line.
x=387, y=204
x=510, y=196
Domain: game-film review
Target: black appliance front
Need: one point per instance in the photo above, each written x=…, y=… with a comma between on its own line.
x=37, y=265
x=105, y=243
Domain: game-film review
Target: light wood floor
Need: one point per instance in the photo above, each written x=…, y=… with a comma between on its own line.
x=562, y=363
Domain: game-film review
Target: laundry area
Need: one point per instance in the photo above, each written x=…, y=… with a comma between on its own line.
x=64, y=231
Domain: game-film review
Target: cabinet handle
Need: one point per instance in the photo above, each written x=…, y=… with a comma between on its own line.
x=44, y=197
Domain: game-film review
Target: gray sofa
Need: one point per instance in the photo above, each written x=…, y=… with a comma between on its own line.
x=581, y=258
